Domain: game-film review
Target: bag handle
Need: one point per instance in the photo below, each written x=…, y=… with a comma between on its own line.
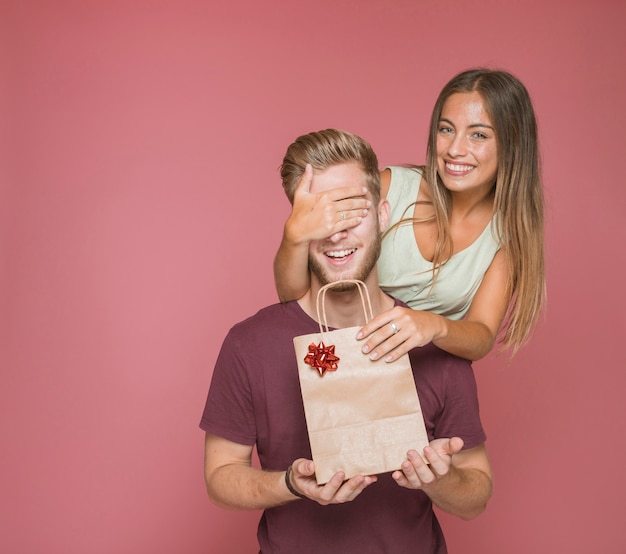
x=321, y=297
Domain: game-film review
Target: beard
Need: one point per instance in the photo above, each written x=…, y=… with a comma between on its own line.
x=360, y=273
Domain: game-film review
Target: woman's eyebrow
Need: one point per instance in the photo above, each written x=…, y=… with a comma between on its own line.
x=473, y=125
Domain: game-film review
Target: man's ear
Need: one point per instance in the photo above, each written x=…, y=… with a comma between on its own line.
x=383, y=214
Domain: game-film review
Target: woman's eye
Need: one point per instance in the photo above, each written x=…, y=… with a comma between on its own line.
x=445, y=130
x=480, y=135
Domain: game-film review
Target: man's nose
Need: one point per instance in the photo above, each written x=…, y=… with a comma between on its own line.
x=338, y=236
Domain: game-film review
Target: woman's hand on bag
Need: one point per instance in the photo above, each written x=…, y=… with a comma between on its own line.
x=415, y=473
x=317, y=216
x=393, y=333
x=336, y=491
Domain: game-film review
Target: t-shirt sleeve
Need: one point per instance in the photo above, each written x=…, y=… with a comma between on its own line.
x=460, y=416
x=229, y=412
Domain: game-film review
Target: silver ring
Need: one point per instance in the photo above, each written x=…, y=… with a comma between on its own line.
x=342, y=215
x=394, y=327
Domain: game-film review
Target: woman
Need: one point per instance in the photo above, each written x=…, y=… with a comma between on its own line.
x=465, y=246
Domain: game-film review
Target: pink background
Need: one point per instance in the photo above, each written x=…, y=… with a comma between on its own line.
x=141, y=208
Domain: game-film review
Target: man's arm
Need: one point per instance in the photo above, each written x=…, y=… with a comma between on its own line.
x=457, y=481
x=233, y=483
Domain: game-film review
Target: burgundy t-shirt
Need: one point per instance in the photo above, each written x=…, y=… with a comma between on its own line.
x=255, y=399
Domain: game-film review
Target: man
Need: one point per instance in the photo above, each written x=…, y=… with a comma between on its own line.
x=255, y=400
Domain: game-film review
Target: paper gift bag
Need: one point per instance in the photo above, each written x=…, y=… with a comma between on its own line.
x=362, y=415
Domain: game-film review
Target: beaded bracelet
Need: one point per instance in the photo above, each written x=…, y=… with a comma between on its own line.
x=290, y=486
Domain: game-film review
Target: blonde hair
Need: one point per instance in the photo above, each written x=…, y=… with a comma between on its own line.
x=518, y=200
x=323, y=149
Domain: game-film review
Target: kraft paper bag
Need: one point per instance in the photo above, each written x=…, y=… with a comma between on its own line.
x=362, y=415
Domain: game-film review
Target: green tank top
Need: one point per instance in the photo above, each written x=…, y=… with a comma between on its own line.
x=406, y=275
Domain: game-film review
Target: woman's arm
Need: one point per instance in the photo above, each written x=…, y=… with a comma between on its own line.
x=474, y=336
x=471, y=338
x=313, y=217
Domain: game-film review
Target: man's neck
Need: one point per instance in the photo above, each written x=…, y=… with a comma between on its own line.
x=345, y=309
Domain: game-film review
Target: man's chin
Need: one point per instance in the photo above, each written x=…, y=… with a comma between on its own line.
x=354, y=271
x=338, y=279
x=343, y=287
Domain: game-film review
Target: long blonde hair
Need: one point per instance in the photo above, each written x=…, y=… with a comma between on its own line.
x=518, y=200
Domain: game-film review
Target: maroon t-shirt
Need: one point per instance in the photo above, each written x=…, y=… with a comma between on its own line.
x=255, y=399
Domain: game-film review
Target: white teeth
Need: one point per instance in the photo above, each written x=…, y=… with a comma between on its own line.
x=455, y=167
x=340, y=253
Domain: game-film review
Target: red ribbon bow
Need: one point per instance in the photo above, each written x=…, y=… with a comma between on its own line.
x=322, y=358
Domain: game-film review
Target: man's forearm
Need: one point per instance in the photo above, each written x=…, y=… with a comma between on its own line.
x=238, y=487
x=464, y=493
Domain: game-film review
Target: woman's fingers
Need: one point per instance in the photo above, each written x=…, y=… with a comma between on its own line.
x=393, y=333
x=316, y=216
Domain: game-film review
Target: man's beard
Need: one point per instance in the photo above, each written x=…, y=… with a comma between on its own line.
x=360, y=273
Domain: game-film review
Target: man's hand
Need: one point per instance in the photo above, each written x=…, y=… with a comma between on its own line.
x=336, y=491
x=417, y=474
x=459, y=482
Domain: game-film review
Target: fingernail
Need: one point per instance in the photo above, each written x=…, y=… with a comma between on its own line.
x=374, y=356
x=359, y=335
x=389, y=359
x=365, y=349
